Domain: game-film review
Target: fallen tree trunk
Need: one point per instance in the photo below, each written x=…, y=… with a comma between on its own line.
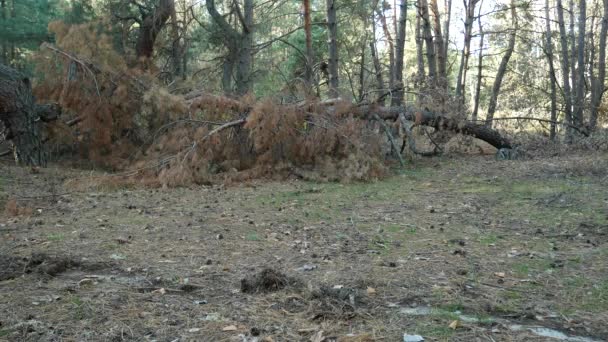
x=23, y=118
x=439, y=122
x=367, y=112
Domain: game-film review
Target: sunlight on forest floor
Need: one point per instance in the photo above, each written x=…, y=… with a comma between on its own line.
x=524, y=242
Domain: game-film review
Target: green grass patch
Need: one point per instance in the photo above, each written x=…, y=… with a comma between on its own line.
x=56, y=237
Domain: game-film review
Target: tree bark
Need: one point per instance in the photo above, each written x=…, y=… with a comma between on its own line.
x=176, y=49
x=333, y=48
x=428, y=40
x=439, y=46
x=419, y=46
x=446, y=26
x=245, y=59
x=466, y=50
x=565, y=66
x=391, y=48
x=502, y=69
x=309, y=51
x=23, y=118
x=151, y=25
x=439, y=122
x=399, y=55
x=552, y=77
x=479, y=71
x=580, y=52
x=597, y=89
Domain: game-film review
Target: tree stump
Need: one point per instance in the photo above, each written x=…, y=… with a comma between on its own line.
x=23, y=118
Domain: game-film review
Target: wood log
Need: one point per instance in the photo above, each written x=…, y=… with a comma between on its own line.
x=23, y=118
x=437, y=121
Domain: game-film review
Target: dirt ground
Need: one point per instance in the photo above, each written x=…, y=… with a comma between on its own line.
x=451, y=249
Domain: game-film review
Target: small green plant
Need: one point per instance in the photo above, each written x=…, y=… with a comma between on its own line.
x=55, y=237
x=252, y=236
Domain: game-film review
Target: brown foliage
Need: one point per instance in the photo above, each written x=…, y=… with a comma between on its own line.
x=13, y=209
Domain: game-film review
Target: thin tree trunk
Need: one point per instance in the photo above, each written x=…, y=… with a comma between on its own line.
x=428, y=39
x=391, y=48
x=466, y=50
x=597, y=89
x=332, y=32
x=420, y=76
x=397, y=99
x=377, y=69
x=565, y=66
x=446, y=27
x=439, y=46
x=479, y=71
x=572, y=56
x=580, y=81
x=362, y=71
x=552, y=78
x=309, y=51
x=4, y=42
x=502, y=69
x=175, y=45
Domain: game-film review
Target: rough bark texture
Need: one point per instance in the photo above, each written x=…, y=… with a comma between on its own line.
x=399, y=55
x=419, y=45
x=502, y=69
x=565, y=66
x=239, y=58
x=151, y=25
x=428, y=40
x=391, y=49
x=552, y=79
x=245, y=59
x=466, y=50
x=332, y=32
x=439, y=122
x=479, y=71
x=597, y=89
x=23, y=118
x=579, y=103
x=439, y=45
x=309, y=52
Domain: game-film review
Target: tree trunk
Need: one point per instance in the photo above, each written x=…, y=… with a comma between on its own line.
x=245, y=57
x=502, y=69
x=399, y=55
x=597, y=89
x=466, y=50
x=446, y=26
x=439, y=122
x=176, y=49
x=565, y=66
x=580, y=81
x=552, y=78
x=377, y=69
x=419, y=46
x=151, y=25
x=428, y=39
x=391, y=49
x=479, y=71
x=23, y=118
x=439, y=46
x=4, y=10
x=309, y=51
x=333, y=49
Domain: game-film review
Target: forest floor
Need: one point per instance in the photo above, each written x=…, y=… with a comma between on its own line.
x=452, y=249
